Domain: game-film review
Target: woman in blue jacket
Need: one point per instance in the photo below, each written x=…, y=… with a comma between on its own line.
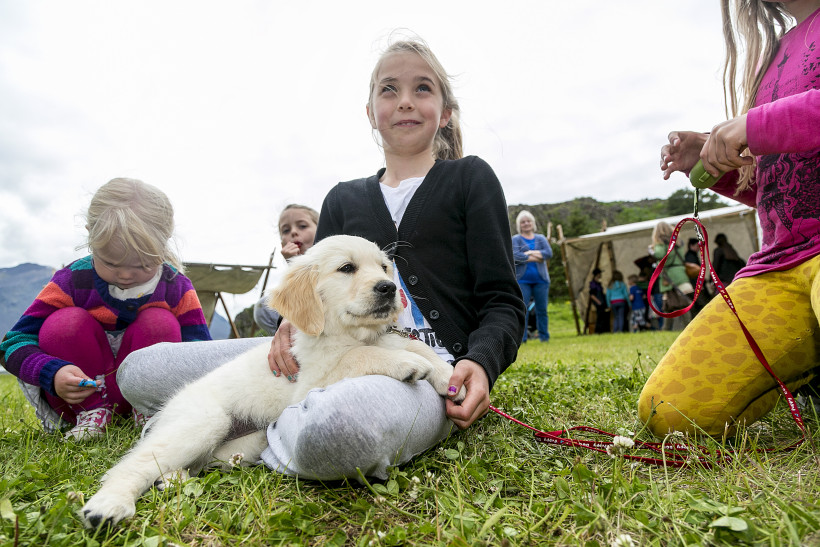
x=531, y=252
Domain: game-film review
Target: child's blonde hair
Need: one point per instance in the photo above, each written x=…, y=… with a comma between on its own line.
x=135, y=216
x=311, y=213
x=521, y=216
x=447, y=143
x=756, y=27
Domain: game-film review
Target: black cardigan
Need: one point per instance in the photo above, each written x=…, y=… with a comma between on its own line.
x=454, y=251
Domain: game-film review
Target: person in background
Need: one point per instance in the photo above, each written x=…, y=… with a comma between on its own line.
x=531, y=252
x=725, y=260
x=674, y=274
x=692, y=258
x=768, y=153
x=597, y=298
x=655, y=321
x=129, y=293
x=637, y=318
x=297, y=228
x=617, y=300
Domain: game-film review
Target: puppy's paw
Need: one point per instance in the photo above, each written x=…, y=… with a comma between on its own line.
x=106, y=509
x=171, y=479
x=412, y=368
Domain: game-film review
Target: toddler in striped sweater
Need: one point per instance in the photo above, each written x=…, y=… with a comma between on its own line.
x=129, y=293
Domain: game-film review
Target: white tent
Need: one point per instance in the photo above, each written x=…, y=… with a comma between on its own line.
x=211, y=280
x=619, y=246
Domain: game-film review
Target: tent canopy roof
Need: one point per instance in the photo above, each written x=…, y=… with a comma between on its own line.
x=210, y=280
x=229, y=278
x=648, y=225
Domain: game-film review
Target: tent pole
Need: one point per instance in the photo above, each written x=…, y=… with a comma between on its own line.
x=267, y=273
x=568, y=277
x=254, y=326
x=612, y=262
x=228, y=315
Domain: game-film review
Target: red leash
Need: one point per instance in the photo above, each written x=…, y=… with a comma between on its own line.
x=673, y=454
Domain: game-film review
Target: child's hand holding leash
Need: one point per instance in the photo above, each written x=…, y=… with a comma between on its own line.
x=471, y=375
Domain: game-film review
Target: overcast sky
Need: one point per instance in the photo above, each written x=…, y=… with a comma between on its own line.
x=237, y=108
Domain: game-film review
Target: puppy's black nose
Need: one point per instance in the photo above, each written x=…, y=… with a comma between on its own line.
x=385, y=288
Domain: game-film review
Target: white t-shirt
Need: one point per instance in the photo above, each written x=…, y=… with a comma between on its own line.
x=115, y=336
x=410, y=319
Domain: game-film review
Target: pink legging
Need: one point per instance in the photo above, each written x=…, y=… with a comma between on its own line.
x=74, y=335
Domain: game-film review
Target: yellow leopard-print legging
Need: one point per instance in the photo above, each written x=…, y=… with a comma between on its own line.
x=710, y=377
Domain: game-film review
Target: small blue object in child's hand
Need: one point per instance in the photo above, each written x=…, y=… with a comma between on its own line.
x=87, y=383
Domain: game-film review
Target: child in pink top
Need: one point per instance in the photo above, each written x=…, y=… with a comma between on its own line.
x=770, y=153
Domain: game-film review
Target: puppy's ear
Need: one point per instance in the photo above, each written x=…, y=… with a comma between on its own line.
x=297, y=300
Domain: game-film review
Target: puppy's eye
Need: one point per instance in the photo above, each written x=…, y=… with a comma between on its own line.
x=347, y=268
x=384, y=267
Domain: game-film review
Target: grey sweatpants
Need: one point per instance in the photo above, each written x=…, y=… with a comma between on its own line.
x=366, y=423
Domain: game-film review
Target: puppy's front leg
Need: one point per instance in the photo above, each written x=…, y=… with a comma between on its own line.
x=183, y=436
x=403, y=365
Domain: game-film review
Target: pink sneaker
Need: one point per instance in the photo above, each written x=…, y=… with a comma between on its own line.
x=90, y=424
x=140, y=419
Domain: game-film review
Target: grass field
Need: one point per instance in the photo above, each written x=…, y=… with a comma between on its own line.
x=490, y=485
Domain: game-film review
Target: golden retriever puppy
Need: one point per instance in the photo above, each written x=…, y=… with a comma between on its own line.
x=341, y=297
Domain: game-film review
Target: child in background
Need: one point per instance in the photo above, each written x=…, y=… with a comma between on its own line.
x=127, y=294
x=654, y=320
x=637, y=319
x=617, y=300
x=297, y=228
x=597, y=298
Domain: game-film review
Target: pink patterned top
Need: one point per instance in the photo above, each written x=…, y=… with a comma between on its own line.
x=784, y=134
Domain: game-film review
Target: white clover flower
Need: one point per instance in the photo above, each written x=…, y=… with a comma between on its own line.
x=430, y=475
x=622, y=540
x=619, y=446
x=380, y=499
x=381, y=534
x=236, y=459
x=624, y=442
x=416, y=480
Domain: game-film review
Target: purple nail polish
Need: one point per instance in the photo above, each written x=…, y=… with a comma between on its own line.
x=452, y=389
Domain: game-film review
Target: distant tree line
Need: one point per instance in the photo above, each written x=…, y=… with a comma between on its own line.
x=587, y=215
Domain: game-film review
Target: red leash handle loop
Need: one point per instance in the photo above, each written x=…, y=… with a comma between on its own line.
x=704, y=260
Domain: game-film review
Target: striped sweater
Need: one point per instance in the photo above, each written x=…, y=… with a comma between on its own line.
x=78, y=285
